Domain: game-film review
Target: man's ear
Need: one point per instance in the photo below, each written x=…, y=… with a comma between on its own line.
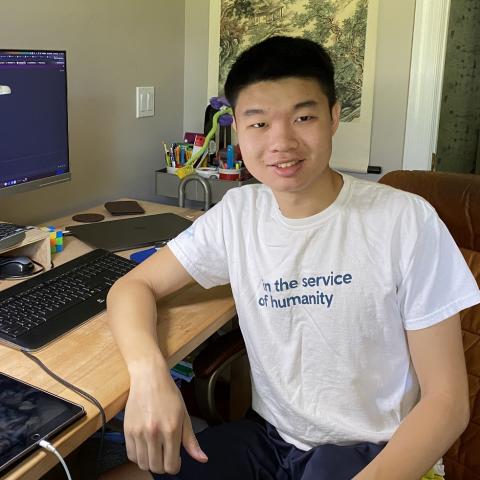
x=335, y=113
x=234, y=123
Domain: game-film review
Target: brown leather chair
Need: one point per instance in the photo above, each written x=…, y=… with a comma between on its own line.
x=456, y=198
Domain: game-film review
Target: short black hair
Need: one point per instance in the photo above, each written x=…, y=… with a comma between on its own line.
x=281, y=57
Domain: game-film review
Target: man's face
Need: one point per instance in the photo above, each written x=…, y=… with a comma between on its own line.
x=285, y=130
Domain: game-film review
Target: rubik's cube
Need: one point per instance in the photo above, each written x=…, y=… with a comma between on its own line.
x=56, y=239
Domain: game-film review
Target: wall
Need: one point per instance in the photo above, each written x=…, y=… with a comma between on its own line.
x=392, y=75
x=196, y=64
x=458, y=146
x=112, y=47
x=393, y=56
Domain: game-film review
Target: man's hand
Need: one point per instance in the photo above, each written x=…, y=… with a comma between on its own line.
x=157, y=424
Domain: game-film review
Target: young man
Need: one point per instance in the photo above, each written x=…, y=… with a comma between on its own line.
x=347, y=294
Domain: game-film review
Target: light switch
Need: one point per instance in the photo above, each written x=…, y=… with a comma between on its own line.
x=145, y=102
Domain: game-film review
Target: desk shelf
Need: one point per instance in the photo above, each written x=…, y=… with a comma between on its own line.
x=166, y=185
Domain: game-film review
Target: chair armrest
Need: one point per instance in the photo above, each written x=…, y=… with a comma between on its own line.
x=217, y=353
x=208, y=367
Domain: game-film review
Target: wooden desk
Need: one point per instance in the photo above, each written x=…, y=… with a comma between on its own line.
x=88, y=356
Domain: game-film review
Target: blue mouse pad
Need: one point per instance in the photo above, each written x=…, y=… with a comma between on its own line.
x=139, y=257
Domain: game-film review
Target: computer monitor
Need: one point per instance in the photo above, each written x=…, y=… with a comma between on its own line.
x=33, y=119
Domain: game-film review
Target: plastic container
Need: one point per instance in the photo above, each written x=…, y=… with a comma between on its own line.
x=230, y=173
x=207, y=172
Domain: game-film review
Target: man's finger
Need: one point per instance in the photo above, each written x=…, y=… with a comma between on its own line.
x=142, y=454
x=131, y=449
x=171, y=452
x=156, y=458
x=190, y=442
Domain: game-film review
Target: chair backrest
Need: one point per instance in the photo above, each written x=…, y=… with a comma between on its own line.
x=456, y=198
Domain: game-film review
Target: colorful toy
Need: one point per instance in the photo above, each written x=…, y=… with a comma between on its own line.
x=56, y=239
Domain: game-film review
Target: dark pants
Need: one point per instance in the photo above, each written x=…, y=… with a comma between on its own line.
x=252, y=449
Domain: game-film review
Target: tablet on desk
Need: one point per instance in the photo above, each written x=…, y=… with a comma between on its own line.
x=124, y=234
x=28, y=415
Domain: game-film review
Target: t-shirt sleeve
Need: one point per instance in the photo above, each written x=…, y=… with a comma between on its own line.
x=437, y=282
x=201, y=249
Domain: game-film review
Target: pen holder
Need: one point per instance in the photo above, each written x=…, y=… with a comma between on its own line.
x=230, y=173
x=172, y=170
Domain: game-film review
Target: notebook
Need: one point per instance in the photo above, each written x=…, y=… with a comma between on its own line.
x=28, y=415
x=116, y=235
x=124, y=207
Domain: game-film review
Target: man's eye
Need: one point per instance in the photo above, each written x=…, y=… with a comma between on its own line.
x=304, y=118
x=258, y=125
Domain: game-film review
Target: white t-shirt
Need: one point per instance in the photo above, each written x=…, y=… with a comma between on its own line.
x=323, y=302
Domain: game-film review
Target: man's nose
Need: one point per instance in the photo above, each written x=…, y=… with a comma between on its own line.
x=283, y=138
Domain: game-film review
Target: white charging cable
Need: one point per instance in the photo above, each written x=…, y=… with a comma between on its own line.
x=49, y=447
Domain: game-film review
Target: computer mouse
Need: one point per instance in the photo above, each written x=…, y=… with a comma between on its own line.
x=15, y=266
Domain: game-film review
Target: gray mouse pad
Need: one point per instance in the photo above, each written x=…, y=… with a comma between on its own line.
x=130, y=233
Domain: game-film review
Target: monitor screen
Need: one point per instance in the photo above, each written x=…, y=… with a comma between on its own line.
x=33, y=119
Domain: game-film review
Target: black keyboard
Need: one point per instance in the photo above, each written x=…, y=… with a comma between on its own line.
x=40, y=309
x=11, y=234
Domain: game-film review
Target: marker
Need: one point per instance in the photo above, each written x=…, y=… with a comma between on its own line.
x=182, y=155
x=230, y=156
x=167, y=156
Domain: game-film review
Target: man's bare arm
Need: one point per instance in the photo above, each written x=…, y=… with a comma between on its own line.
x=131, y=302
x=156, y=420
x=442, y=413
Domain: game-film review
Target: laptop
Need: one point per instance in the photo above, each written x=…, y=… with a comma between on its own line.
x=28, y=415
x=117, y=235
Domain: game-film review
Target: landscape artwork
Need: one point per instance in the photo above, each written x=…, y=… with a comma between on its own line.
x=339, y=25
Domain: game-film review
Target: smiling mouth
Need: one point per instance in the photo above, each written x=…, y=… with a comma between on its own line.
x=291, y=163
